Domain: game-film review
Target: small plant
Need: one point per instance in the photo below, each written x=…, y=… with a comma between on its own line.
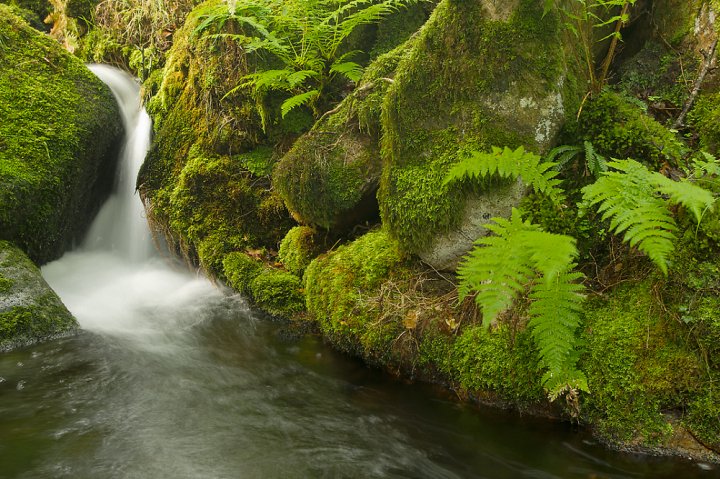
x=521, y=256
x=595, y=164
x=307, y=39
x=636, y=202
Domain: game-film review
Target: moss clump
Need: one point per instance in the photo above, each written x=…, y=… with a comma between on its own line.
x=335, y=285
x=638, y=366
x=278, y=292
x=460, y=88
x=29, y=310
x=240, y=270
x=618, y=127
x=704, y=118
x=58, y=141
x=299, y=247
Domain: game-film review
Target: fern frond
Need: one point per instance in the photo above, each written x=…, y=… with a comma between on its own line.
x=693, y=197
x=521, y=255
x=562, y=154
x=350, y=70
x=554, y=320
x=507, y=163
x=299, y=77
x=297, y=100
x=627, y=197
x=596, y=163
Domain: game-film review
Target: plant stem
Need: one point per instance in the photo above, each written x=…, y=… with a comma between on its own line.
x=613, y=46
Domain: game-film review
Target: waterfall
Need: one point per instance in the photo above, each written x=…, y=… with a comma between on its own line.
x=114, y=281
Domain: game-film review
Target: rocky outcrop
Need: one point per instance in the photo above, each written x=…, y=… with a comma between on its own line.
x=30, y=311
x=478, y=76
x=60, y=131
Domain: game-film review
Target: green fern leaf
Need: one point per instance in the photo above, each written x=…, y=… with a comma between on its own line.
x=693, y=197
x=350, y=70
x=507, y=163
x=627, y=197
x=297, y=100
x=596, y=163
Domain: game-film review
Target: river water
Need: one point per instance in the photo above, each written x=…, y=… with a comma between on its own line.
x=170, y=378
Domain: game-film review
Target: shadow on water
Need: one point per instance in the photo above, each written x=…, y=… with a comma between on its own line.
x=172, y=379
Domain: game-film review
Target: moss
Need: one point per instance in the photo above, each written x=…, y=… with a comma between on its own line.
x=618, y=127
x=299, y=247
x=278, y=292
x=675, y=19
x=703, y=416
x=336, y=284
x=217, y=207
x=58, y=141
x=704, y=119
x=458, y=89
x=638, y=366
x=206, y=176
x=29, y=310
x=240, y=270
x=34, y=12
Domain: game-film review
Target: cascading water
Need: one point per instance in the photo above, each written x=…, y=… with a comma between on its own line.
x=115, y=275
x=171, y=379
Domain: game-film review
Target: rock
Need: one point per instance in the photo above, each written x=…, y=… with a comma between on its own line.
x=448, y=249
x=477, y=76
x=30, y=311
x=60, y=133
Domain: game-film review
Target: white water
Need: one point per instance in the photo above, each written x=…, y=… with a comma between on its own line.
x=114, y=281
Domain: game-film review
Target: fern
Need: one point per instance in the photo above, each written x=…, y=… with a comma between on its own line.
x=521, y=255
x=297, y=100
x=507, y=163
x=630, y=198
x=594, y=162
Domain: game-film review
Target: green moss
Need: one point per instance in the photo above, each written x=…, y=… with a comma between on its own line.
x=500, y=362
x=34, y=12
x=703, y=416
x=5, y=284
x=299, y=247
x=458, y=89
x=638, y=366
x=58, y=141
x=336, y=284
x=675, y=19
x=704, y=118
x=240, y=271
x=278, y=292
x=618, y=127
x=206, y=176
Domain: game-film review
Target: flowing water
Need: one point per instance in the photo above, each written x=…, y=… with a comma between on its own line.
x=172, y=379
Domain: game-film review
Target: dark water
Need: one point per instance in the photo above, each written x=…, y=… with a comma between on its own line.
x=213, y=392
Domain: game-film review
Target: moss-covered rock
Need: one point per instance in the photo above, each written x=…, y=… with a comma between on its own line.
x=330, y=176
x=335, y=285
x=298, y=248
x=206, y=176
x=30, y=311
x=278, y=292
x=478, y=75
x=240, y=270
x=59, y=139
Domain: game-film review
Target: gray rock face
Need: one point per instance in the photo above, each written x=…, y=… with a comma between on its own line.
x=30, y=311
x=447, y=250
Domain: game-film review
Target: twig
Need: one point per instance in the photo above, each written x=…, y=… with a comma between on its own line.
x=709, y=58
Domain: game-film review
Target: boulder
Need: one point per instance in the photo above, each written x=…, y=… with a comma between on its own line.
x=479, y=74
x=60, y=133
x=30, y=311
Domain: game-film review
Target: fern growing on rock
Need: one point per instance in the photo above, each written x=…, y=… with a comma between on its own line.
x=522, y=256
x=636, y=201
x=507, y=163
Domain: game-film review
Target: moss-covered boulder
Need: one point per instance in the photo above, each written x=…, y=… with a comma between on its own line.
x=330, y=176
x=479, y=74
x=299, y=247
x=59, y=138
x=30, y=311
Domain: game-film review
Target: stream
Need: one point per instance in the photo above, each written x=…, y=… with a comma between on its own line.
x=171, y=378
